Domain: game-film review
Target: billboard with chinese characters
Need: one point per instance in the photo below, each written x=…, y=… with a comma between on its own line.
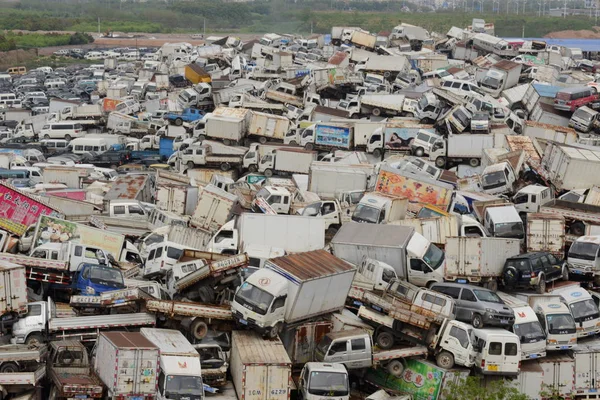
x=19, y=210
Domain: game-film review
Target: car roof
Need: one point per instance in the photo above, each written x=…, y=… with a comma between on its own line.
x=457, y=285
x=529, y=255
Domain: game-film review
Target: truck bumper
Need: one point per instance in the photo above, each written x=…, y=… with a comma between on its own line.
x=247, y=322
x=498, y=319
x=17, y=340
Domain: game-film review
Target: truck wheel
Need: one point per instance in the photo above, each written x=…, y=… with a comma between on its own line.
x=395, y=367
x=178, y=122
x=377, y=153
x=253, y=168
x=492, y=285
x=268, y=173
x=46, y=136
x=385, y=340
x=565, y=273
x=9, y=367
x=225, y=166
x=387, y=74
x=201, y=138
x=376, y=112
x=198, y=329
x=190, y=164
x=541, y=286
x=440, y=162
x=445, y=360
x=274, y=331
x=35, y=340
x=419, y=151
x=262, y=140
x=309, y=146
x=206, y=294
x=68, y=138
x=293, y=143
x=53, y=394
x=227, y=142
x=474, y=162
x=477, y=321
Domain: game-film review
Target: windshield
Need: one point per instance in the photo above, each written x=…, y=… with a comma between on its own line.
x=509, y=230
x=584, y=310
x=443, y=73
x=582, y=114
x=529, y=332
x=312, y=210
x=254, y=298
x=372, y=79
x=583, y=250
x=184, y=95
x=485, y=295
x=490, y=82
x=365, y=213
x=343, y=104
x=422, y=103
x=178, y=385
x=434, y=257
x=107, y=276
x=560, y=324
x=174, y=253
x=493, y=180
x=461, y=117
x=328, y=384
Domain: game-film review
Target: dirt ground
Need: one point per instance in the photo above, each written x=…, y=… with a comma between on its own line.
x=583, y=34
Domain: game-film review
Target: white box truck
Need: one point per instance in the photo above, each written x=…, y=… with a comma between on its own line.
x=268, y=127
x=127, y=363
x=180, y=370
x=213, y=209
x=330, y=180
x=478, y=260
x=460, y=148
x=570, y=168
x=291, y=289
x=261, y=369
x=287, y=161
x=546, y=232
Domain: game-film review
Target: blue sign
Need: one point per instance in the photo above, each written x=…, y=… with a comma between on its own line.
x=334, y=136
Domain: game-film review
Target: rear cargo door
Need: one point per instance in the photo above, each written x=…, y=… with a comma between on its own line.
x=137, y=371
x=163, y=200
x=277, y=382
x=14, y=294
x=584, y=372
x=255, y=382
x=305, y=340
x=179, y=200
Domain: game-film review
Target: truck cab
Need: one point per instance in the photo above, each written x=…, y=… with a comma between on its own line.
x=71, y=373
x=278, y=198
x=504, y=222
x=332, y=211
x=583, y=307
x=531, y=198
x=583, y=257
x=226, y=240
x=93, y=279
x=375, y=274
x=498, y=178
x=424, y=143
x=75, y=254
x=557, y=322
x=378, y=208
x=324, y=381
x=130, y=209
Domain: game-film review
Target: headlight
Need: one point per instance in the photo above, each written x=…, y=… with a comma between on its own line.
x=552, y=341
x=90, y=290
x=490, y=310
x=573, y=340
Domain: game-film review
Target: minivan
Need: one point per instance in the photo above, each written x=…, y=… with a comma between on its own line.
x=460, y=87
x=55, y=145
x=571, y=98
x=498, y=352
x=161, y=257
x=477, y=305
x=87, y=144
x=533, y=270
x=62, y=130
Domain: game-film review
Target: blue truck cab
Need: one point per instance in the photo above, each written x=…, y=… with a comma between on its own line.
x=187, y=115
x=93, y=279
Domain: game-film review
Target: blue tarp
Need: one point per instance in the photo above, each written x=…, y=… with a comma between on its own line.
x=547, y=90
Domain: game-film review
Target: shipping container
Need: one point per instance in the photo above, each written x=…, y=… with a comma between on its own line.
x=127, y=363
x=260, y=369
x=300, y=341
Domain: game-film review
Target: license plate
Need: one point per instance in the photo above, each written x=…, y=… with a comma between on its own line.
x=526, y=276
x=533, y=356
x=504, y=321
x=461, y=280
x=564, y=347
x=576, y=272
x=492, y=368
x=119, y=301
x=137, y=398
x=243, y=321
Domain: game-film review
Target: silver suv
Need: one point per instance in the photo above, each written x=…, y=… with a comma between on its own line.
x=477, y=305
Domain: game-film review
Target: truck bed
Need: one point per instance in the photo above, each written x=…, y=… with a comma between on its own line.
x=72, y=380
x=23, y=377
x=101, y=321
x=22, y=352
x=569, y=209
x=379, y=356
x=186, y=309
x=34, y=262
x=218, y=158
x=213, y=269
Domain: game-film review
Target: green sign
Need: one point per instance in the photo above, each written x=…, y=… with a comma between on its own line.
x=420, y=379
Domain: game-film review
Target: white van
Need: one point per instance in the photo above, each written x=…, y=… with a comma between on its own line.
x=128, y=107
x=583, y=309
x=161, y=258
x=583, y=257
x=86, y=144
x=7, y=99
x=35, y=173
x=55, y=145
x=527, y=328
x=461, y=87
x=498, y=352
x=159, y=218
x=62, y=130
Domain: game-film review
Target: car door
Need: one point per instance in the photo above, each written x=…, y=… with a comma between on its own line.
x=458, y=340
x=338, y=352
x=468, y=302
x=552, y=267
x=359, y=356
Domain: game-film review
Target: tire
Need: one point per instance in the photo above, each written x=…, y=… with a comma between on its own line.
x=9, y=367
x=190, y=164
x=178, y=122
x=273, y=333
x=202, y=138
x=377, y=153
x=262, y=140
x=46, y=136
x=252, y=168
x=268, y=173
x=492, y=285
x=227, y=142
x=577, y=229
x=198, y=329
x=474, y=162
x=440, y=162
x=419, y=152
x=68, y=138
x=385, y=340
x=113, y=166
x=309, y=146
x=477, y=321
x=225, y=166
x=445, y=360
x=35, y=339
x=376, y=112
x=206, y=294
x=541, y=286
x=395, y=367
x=565, y=273
x=293, y=143
x=53, y=393
x=387, y=74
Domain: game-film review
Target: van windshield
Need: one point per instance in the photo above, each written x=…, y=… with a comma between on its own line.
x=560, y=324
x=177, y=386
x=493, y=180
x=584, y=251
x=486, y=295
x=328, y=384
x=254, y=298
x=324, y=345
x=529, y=332
x=584, y=310
x=509, y=230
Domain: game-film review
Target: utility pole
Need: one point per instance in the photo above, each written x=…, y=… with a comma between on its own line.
x=98, y=25
x=204, y=29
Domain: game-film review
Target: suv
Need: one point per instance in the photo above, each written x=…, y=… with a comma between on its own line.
x=477, y=305
x=533, y=270
x=111, y=159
